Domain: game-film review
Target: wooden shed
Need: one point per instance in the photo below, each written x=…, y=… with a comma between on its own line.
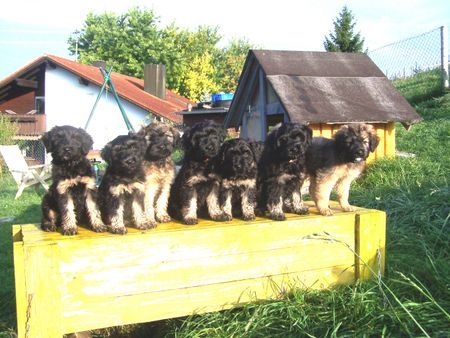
x=322, y=89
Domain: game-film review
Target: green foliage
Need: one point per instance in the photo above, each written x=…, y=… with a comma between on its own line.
x=344, y=39
x=129, y=41
x=8, y=130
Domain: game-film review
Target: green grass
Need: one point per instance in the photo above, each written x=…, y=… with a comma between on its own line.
x=421, y=86
x=413, y=299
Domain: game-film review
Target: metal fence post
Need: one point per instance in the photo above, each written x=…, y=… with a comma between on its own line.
x=444, y=57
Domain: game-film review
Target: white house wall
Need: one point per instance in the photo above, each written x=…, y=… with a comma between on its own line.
x=67, y=101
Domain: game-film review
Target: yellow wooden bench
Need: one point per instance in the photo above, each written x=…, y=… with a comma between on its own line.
x=91, y=280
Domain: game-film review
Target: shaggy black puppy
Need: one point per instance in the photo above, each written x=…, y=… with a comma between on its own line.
x=121, y=192
x=159, y=169
x=71, y=199
x=197, y=184
x=337, y=162
x=238, y=167
x=282, y=170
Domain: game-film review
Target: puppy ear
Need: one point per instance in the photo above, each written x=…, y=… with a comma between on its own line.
x=271, y=140
x=257, y=149
x=176, y=136
x=86, y=141
x=341, y=134
x=309, y=134
x=222, y=152
x=46, y=139
x=186, y=141
x=373, y=141
x=106, y=153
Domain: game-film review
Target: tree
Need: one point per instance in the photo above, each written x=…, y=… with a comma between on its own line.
x=344, y=39
x=129, y=41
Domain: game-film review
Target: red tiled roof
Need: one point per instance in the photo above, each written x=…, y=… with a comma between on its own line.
x=127, y=87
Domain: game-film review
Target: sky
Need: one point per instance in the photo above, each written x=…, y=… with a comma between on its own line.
x=29, y=29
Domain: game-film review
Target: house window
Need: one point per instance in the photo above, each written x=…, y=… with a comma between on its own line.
x=39, y=104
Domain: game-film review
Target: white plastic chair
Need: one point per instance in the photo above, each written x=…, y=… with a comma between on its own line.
x=24, y=175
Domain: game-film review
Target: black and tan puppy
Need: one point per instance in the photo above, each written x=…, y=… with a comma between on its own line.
x=282, y=170
x=72, y=197
x=335, y=163
x=159, y=169
x=121, y=192
x=196, y=186
x=238, y=167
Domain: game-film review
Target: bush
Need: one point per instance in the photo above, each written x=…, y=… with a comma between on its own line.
x=8, y=130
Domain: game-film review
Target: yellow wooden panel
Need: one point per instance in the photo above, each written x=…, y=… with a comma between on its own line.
x=370, y=243
x=178, y=272
x=380, y=151
x=43, y=309
x=315, y=129
x=151, y=306
x=390, y=139
x=326, y=130
x=19, y=277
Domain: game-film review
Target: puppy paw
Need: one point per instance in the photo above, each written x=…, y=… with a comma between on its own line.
x=117, y=230
x=326, y=212
x=163, y=218
x=190, y=221
x=348, y=208
x=223, y=218
x=47, y=226
x=99, y=227
x=147, y=224
x=301, y=211
x=248, y=217
x=277, y=217
x=69, y=231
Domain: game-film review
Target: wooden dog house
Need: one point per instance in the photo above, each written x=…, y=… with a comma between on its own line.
x=322, y=89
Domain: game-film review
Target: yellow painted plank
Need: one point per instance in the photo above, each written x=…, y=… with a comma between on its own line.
x=390, y=139
x=33, y=235
x=370, y=244
x=326, y=130
x=315, y=129
x=380, y=151
x=43, y=308
x=19, y=277
x=160, y=274
x=151, y=306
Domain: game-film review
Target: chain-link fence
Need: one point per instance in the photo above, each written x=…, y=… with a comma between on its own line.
x=427, y=52
x=33, y=150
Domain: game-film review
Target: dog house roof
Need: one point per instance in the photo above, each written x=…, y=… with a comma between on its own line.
x=322, y=87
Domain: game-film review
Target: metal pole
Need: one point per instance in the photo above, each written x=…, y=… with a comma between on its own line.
x=105, y=81
x=444, y=57
x=116, y=97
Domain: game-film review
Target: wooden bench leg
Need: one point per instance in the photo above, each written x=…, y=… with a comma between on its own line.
x=370, y=242
x=37, y=291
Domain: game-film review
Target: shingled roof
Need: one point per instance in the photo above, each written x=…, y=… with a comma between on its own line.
x=323, y=87
x=127, y=87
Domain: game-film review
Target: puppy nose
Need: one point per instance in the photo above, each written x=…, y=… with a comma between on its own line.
x=130, y=161
x=360, y=152
x=66, y=148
